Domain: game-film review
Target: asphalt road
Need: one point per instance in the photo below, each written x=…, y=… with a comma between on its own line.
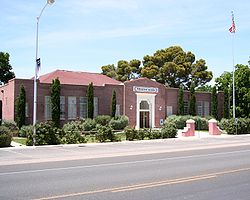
x=211, y=173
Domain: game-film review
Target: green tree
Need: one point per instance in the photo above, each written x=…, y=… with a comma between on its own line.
x=124, y=71
x=20, y=107
x=226, y=104
x=90, y=97
x=113, y=104
x=181, y=101
x=173, y=67
x=205, y=88
x=5, y=68
x=192, y=101
x=55, y=101
x=214, y=111
x=242, y=89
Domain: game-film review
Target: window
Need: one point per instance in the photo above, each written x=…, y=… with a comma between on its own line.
x=117, y=111
x=199, y=108
x=71, y=107
x=47, y=109
x=83, y=101
x=26, y=109
x=95, y=106
x=62, y=107
x=186, y=104
x=169, y=110
x=206, y=108
x=144, y=105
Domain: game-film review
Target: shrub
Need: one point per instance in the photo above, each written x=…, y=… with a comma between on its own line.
x=72, y=133
x=229, y=125
x=12, y=126
x=169, y=130
x=141, y=134
x=119, y=123
x=89, y=125
x=46, y=134
x=180, y=121
x=25, y=130
x=103, y=119
x=131, y=133
x=104, y=133
x=5, y=136
x=153, y=134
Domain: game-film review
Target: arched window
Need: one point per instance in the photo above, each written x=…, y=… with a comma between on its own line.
x=144, y=105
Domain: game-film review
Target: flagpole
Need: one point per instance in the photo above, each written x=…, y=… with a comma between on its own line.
x=233, y=38
x=49, y=2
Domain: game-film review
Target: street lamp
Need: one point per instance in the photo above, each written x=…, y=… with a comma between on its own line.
x=49, y=2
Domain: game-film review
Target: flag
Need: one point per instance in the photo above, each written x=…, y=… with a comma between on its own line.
x=38, y=65
x=232, y=29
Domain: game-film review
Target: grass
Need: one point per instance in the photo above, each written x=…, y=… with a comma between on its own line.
x=20, y=140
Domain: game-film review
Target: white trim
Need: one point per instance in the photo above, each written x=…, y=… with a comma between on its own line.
x=150, y=98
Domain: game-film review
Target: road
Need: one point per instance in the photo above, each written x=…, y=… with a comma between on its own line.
x=193, y=174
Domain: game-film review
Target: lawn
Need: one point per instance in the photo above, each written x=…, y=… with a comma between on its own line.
x=20, y=140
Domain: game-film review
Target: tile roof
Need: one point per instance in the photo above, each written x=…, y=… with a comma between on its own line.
x=78, y=78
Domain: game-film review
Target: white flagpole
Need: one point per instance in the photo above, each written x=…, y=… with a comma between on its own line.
x=233, y=36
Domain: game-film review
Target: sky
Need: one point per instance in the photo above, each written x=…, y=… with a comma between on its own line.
x=83, y=35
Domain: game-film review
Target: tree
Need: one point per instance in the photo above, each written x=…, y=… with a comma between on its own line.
x=226, y=104
x=205, y=88
x=5, y=68
x=173, y=67
x=90, y=97
x=20, y=107
x=124, y=71
x=181, y=101
x=214, y=111
x=192, y=101
x=113, y=104
x=242, y=89
x=55, y=101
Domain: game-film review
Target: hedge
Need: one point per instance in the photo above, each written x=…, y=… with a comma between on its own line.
x=201, y=123
x=5, y=136
x=241, y=127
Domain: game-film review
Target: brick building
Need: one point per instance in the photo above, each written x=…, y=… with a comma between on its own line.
x=146, y=102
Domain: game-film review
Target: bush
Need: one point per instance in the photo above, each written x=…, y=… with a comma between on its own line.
x=119, y=123
x=89, y=125
x=12, y=126
x=72, y=133
x=229, y=125
x=131, y=133
x=180, y=121
x=103, y=119
x=46, y=134
x=154, y=134
x=25, y=130
x=105, y=133
x=169, y=130
x=5, y=137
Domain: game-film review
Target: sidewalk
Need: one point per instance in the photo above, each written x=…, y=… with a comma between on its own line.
x=37, y=154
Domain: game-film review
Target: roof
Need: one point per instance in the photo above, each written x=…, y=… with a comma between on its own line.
x=78, y=78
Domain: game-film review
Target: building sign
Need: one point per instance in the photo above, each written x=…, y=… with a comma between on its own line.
x=145, y=89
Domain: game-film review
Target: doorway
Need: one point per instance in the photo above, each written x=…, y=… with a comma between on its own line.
x=144, y=119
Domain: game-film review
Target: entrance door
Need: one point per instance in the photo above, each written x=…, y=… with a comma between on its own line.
x=144, y=119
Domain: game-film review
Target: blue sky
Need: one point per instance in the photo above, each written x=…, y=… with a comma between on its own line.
x=83, y=35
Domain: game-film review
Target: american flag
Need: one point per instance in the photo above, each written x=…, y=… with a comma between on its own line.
x=232, y=29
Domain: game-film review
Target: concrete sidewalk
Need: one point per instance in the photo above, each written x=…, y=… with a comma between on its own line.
x=37, y=154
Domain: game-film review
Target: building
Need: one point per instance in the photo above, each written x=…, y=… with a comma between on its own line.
x=146, y=102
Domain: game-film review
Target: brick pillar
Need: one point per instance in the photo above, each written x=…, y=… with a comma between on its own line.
x=213, y=128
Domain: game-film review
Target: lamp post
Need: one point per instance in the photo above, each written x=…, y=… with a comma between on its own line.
x=49, y=2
